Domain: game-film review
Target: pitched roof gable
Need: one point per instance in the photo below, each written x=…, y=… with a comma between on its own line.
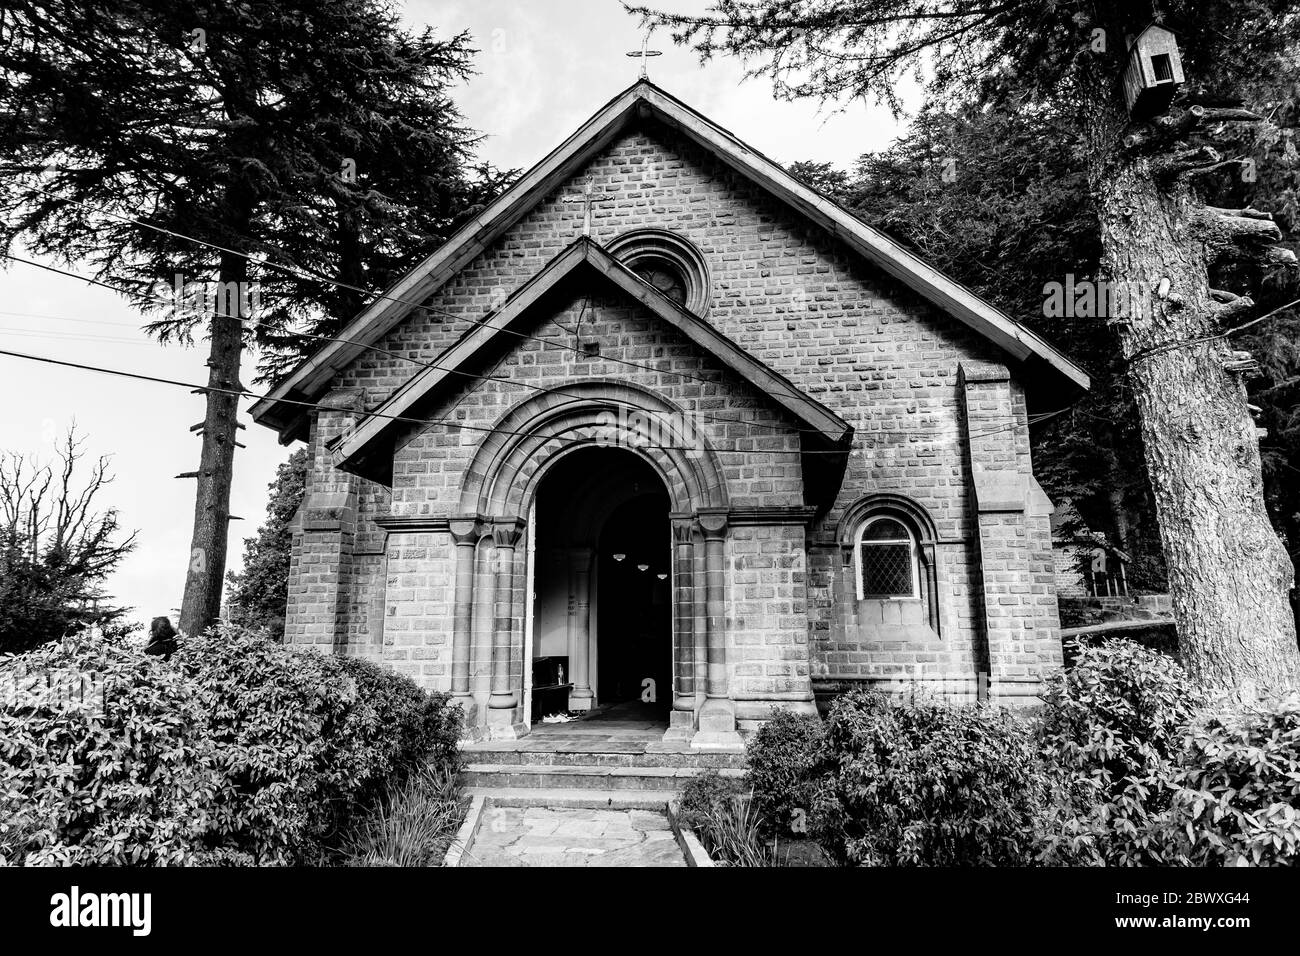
x=644, y=99
x=584, y=253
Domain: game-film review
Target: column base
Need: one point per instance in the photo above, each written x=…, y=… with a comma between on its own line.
x=681, y=726
x=505, y=724
x=717, y=727
x=582, y=701
x=469, y=723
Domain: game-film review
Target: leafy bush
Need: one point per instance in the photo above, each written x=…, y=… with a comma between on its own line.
x=1113, y=727
x=782, y=756
x=304, y=738
x=704, y=793
x=929, y=784
x=235, y=751
x=104, y=758
x=1236, y=798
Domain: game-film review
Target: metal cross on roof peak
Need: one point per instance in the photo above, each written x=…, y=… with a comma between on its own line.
x=645, y=53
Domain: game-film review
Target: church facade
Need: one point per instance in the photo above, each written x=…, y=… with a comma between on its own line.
x=663, y=425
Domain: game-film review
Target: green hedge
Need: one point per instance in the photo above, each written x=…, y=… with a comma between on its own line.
x=782, y=758
x=1236, y=792
x=236, y=751
x=926, y=784
x=1122, y=766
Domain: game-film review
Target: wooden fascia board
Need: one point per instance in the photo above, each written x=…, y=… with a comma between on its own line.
x=417, y=386
x=878, y=248
x=766, y=380
x=382, y=315
x=470, y=240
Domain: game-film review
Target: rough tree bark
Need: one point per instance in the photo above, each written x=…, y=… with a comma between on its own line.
x=205, y=577
x=1229, y=575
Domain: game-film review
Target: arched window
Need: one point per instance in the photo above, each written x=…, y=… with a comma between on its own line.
x=663, y=275
x=668, y=262
x=887, y=561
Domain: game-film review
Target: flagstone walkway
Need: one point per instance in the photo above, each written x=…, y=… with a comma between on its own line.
x=568, y=836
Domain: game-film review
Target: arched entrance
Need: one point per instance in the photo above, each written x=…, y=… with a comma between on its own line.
x=499, y=501
x=602, y=591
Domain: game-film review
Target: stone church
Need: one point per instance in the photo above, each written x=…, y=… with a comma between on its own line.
x=663, y=426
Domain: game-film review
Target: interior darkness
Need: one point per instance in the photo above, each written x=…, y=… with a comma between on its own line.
x=635, y=608
x=611, y=500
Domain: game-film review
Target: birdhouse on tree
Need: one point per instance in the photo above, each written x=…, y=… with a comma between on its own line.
x=1154, y=72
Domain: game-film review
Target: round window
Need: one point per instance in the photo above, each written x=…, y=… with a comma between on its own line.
x=669, y=263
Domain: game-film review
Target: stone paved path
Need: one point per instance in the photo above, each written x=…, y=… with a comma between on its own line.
x=541, y=836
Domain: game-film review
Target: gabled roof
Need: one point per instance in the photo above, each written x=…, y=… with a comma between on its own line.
x=583, y=254
x=644, y=100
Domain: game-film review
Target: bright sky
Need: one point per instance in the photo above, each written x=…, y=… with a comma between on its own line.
x=544, y=67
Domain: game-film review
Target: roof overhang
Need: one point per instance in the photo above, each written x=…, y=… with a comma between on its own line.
x=1038, y=360
x=403, y=407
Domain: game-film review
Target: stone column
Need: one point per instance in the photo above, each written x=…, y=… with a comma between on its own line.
x=503, y=703
x=681, y=720
x=580, y=629
x=466, y=532
x=684, y=613
x=718, y=714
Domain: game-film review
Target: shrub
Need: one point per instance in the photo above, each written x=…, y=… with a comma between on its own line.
x=732, y=833
x=928, y=784
x=104, y=759
x=235, y=751
x=704, y=793
x=782, y=756
x=305, y=738
x=723, y=815
x=1113, y=727
x=1236, y=798
x=413, y=822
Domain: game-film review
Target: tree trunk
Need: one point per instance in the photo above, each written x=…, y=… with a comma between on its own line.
x=1229, y=576
x=204, y=581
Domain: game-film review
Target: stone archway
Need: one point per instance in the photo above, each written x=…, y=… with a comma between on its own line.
x=501, y=484
x=602, y=585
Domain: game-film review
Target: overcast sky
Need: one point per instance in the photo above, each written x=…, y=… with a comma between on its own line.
x=544, y=67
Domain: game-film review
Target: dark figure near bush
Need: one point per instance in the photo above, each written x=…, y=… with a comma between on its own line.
x=162, y=638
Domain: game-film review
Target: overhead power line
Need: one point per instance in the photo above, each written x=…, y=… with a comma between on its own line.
x=449, y=423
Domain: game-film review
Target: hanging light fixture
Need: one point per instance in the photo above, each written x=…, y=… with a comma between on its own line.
x=620, y=556
x=643, y=567
x=662, y=575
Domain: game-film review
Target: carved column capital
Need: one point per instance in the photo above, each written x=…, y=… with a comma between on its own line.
x=506, y=531
x=683, y=530
x=713, y=522
x=466, y=529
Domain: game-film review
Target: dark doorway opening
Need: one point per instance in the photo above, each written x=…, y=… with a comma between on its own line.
x=634, y=646
x=602, y=590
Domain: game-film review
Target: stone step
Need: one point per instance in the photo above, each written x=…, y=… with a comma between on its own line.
x=581, y=777
x=603, y=758
x=581, y=799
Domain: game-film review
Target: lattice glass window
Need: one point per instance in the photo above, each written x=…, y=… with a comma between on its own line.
x=663, y=275
x=887, y=564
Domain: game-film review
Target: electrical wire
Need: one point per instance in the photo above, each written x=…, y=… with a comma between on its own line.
x=449, y=423
x=300, y=273
x=419, y=362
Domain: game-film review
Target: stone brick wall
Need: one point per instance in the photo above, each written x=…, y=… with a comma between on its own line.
x=797, y=300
